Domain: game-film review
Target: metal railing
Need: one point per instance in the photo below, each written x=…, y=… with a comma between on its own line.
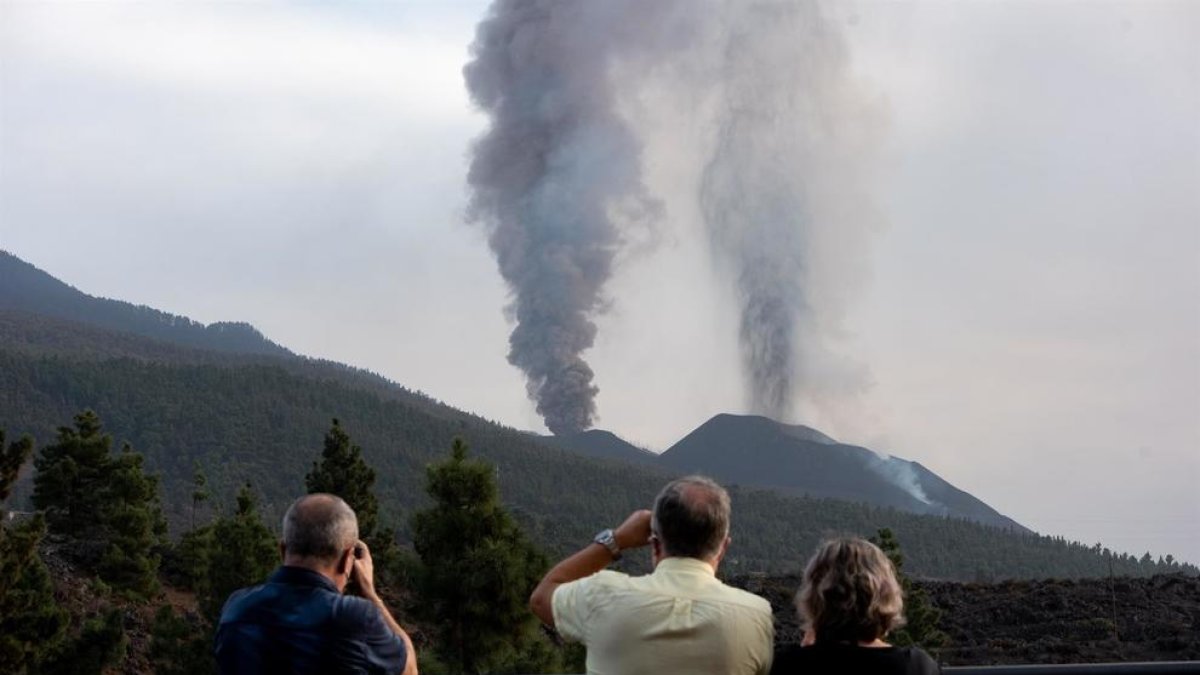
x=1147, y=668
x=1154, y=668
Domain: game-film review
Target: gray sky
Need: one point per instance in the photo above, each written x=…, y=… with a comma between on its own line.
x=1031, y=323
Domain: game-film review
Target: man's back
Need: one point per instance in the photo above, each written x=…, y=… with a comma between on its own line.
x=298, y=622
x=680, y=619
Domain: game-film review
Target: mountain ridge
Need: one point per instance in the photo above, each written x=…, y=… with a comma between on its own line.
x=261, y=417
x=26, y=287
x=602, y=444
x=794, y=459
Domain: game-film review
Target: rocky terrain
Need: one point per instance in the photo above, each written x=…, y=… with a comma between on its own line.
x=1050, y=621
x=1012, y=622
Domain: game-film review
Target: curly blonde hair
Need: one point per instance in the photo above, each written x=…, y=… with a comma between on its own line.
x=850, y=593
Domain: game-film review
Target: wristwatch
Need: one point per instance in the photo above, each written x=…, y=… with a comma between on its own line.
x=609, y=541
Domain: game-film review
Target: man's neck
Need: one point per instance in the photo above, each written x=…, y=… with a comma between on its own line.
x=711, y=562
x=325, y=570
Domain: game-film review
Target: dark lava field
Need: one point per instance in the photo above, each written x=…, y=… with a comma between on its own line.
x=1051, y=621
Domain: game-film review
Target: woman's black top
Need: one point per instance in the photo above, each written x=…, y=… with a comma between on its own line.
x=852, y=659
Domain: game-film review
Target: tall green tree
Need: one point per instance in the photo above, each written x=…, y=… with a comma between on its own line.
x=180, y=645
x=106, y=506
x=200, y=493
x=185, y=565
x=923, y=617
x=134, y=525
x=71, y=476
x=242, y=553
x=100, y=645
x=31, y=622
x=477, y=570
x=12, y=458
x=343, y=472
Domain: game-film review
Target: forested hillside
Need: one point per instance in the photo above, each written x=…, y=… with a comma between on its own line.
x=226, y=401
x=264, y=424
x=41, y=335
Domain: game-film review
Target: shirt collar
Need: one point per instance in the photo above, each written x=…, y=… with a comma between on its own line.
x=677, y=564
x=301, y=576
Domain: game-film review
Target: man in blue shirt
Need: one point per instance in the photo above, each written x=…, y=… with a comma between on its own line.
x=299, y=621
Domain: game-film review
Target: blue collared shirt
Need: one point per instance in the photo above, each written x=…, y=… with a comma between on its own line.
x=298, y=622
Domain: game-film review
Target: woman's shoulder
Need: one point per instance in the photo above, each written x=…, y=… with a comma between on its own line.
x=920, y=662
x=797, y=660
x=787, y=659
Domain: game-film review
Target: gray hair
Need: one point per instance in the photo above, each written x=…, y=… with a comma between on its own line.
x=850, y=593
x=319, y=527
x=691, y=517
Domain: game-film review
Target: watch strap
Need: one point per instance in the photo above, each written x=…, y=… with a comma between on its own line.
x=608, y=540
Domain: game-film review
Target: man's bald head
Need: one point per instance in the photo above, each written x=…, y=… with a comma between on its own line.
x=319, y=527
x=691, y=517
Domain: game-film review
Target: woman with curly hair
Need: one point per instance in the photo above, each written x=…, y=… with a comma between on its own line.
x=848, y=602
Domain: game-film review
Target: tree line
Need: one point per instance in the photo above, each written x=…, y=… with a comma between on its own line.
x=464, y=581
x=463, y=574
x=245, y=422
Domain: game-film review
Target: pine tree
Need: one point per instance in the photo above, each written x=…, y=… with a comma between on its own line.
x=923, y=617
x=12, y=458
x=243, y=552
x=477, y=570
x=101, y=644
x=71, y=475
x=31, y=623
x=343, y=472
x=200, y=492
x=179, y=646
x=134, y=525
x=186, y=565
x=106, y=506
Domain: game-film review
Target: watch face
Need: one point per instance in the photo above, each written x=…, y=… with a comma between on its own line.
x=608, y=540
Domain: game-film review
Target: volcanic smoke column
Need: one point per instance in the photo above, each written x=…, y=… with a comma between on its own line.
x=557, y=176
x=554, y=170
x=768, y=195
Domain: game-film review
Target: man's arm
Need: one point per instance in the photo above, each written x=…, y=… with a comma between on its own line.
x=364, y=574
x=410, y=665
x=633, y=533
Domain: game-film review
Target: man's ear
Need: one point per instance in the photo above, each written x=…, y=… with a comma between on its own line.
x=346, y=562
x=282, y=550
x=724, y=548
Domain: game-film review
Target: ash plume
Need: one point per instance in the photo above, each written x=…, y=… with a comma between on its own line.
x=557, y=176
x=551, y=178
x=777, y=196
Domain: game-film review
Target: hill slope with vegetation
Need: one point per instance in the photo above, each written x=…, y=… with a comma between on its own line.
x=186, y=404
x=262, y=424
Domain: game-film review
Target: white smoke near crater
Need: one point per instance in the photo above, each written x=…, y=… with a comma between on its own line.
x=557, y=179
x=901, y=473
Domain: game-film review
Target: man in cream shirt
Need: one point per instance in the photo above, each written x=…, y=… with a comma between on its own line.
x=678, y=619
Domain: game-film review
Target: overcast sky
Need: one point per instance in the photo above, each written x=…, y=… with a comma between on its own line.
x=1031, y=325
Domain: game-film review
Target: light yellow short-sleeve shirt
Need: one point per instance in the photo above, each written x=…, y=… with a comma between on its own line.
x=679, y=619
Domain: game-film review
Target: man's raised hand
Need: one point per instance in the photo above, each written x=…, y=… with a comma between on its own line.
x=635, y=531
x=364, y=569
